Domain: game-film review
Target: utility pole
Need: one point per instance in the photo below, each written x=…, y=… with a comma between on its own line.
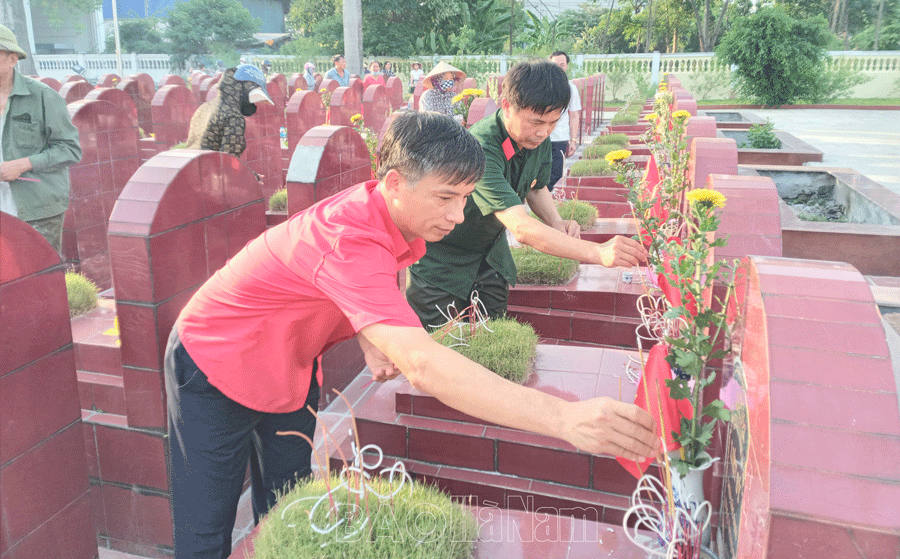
x=353, y=36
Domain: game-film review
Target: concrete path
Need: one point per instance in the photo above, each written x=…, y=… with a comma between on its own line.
x=868, y=141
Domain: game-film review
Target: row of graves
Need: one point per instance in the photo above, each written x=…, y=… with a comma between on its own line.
x=806, y=466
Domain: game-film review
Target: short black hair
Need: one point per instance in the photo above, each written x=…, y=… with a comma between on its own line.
x=421, y=144
x=538, y=85
x=560, y=53
x=336, y=58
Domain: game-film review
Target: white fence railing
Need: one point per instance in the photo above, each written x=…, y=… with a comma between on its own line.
x=699, y=72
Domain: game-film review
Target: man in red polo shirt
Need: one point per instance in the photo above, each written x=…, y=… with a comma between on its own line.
x=241, y=363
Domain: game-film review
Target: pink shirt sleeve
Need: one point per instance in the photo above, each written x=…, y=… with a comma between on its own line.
x=359, y=275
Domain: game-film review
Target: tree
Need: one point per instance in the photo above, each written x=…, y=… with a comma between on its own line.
x=138, y=35
x=709, y=29
x=779, y=59
x=202, y=26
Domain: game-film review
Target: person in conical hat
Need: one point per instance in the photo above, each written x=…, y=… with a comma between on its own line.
x=438, y=85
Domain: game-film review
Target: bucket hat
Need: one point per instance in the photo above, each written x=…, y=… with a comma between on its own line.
x=439, y=69
x=8, y=42
x=250, y=73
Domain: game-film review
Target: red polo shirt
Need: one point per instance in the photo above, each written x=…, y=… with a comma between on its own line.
x=257, y=325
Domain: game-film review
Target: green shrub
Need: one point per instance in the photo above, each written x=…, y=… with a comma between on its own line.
x=278, y=201
x=599, y=151
x=394, y=527
x=616, y=139
x=82, y=293
x=535, y=267
x=779, y=58
x=508, y=348
x=761, y=136
x=582, y=212
x=836, y=82
x=181, y=145
x=591, y=168
x=623, y=118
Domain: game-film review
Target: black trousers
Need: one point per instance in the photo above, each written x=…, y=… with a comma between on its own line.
x=211, y=440
x=556, y=166
x=426, y=299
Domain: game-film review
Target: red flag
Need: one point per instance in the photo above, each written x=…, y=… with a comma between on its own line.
x=653, y=397
x=651, y=177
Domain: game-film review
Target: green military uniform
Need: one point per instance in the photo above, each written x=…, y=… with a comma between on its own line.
x=477, y=249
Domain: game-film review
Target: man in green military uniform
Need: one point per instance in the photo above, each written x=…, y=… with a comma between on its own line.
x=475, y=256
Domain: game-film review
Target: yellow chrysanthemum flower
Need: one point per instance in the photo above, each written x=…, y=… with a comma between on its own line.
x=651, y=116
x=355, y=118
x=459, y=97
x=473, y=92
x=323, y=90
x=618, y=155
x=706, y=198
x=681, y=115
x=663, y=86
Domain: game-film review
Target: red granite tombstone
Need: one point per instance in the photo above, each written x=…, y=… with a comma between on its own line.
x=358, y=87
x=211, y=94
x=263, y=151
x=172, y=79
x=327, y=160
x=147, y=82
x=50, y=82
x=304, y=111
x=108, y=80
x=206, y=86
x=376, y=107
x=470, y=83
x=45, y=509
x=482, y=107
x=142, y=95
x=282, y=83
x=196, y=85
x=116, y=97
x=72, y=78
x=328, y=85
x=179, y=218
x=296, y=83
x=686, y=104
x=75, y=90
x=173, y=106
x=276, y=93
x=417, y=94
x=394, y=89
x=345, y=102
x=110, y=156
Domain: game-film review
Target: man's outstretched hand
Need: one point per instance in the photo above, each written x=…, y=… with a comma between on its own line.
x=622, y=251
x=607, y=426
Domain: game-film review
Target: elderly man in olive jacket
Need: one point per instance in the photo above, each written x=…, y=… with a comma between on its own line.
x=39, y=142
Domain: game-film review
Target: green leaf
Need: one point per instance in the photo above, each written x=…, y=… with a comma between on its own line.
x=717, y=410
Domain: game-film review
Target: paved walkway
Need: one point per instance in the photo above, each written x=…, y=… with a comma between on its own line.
x=868, y=141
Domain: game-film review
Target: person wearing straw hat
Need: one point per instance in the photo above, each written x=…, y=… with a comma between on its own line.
x=414, y=75
x=476, y=256
x=438, y=85
x=39, y=142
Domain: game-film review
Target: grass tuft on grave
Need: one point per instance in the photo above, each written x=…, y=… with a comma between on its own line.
x=502, y=345
x=81, y=292
x=591, y=168
x=582, y=212
x=278, y=201
x=536, y=268
x=616, y=139
x=599, y=151
x=419, y=521
x=623, y=119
